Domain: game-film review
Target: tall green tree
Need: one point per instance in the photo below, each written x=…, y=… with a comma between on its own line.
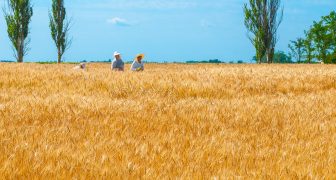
x=330, y=23
x=297, y=49
x=18, y=16
x=59, y=26
x=254, y=24
x=322, y=41
x=262, y=20
x=273, y=16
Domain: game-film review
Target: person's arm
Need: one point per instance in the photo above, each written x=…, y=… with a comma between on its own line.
x=133, y=67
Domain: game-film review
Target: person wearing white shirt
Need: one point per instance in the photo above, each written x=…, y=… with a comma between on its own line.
x=138, y=65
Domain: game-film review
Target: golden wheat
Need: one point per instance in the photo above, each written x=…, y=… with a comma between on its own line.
x=171, y=121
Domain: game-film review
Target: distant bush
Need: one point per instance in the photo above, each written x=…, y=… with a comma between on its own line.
x=54, y=62
x=211, y=61
x=7, y=61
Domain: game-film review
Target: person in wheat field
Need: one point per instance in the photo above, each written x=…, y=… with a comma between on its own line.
x=138, y=65
x=117, y=64
x=81, y=66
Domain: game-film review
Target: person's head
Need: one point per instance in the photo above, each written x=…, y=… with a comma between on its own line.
x=82, y=65
x=139, y=57
x=117, y=55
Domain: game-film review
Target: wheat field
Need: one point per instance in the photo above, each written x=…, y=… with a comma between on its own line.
x=171, y=121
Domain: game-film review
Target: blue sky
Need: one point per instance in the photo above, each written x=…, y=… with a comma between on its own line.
x=165, y=30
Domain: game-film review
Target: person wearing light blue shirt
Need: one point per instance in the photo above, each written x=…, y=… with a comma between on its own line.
x=117, y=63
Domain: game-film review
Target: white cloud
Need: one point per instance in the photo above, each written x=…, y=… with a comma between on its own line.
x=118, y=21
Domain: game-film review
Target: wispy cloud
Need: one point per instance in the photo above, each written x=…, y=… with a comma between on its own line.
x=207, y=24
x=119, y=22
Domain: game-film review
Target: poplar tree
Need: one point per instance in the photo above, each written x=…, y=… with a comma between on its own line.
x=59, y=27
x=253, y=23
x=262, y=20
x=18, y=16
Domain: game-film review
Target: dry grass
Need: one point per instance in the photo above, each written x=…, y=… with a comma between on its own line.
x=251, y=121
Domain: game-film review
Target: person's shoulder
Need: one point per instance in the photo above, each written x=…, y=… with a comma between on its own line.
x=114, y=63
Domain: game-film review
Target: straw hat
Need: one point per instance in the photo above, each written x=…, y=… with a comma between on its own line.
x=139, y=55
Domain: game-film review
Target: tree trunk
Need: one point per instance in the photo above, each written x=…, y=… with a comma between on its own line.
x=270, y=56
x=19, y=50
x=20, y=55
x=324, y=58
x=309, y=60
x=59, y=59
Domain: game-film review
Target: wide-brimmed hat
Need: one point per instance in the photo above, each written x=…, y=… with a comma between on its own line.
x=139, y=55
x=116, y=53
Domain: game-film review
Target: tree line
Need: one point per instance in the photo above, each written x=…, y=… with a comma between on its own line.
x=18, y=14
x=319, y=42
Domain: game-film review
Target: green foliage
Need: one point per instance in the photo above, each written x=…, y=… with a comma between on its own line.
x=18, y=16
x=297, y=49
x=320, y=40
x=309, y=47
x=330, y=24
x=59, y=27
x=331, y=58
x=282, y=57
x=279, y=57
x=254, y=24
x=262, y=20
